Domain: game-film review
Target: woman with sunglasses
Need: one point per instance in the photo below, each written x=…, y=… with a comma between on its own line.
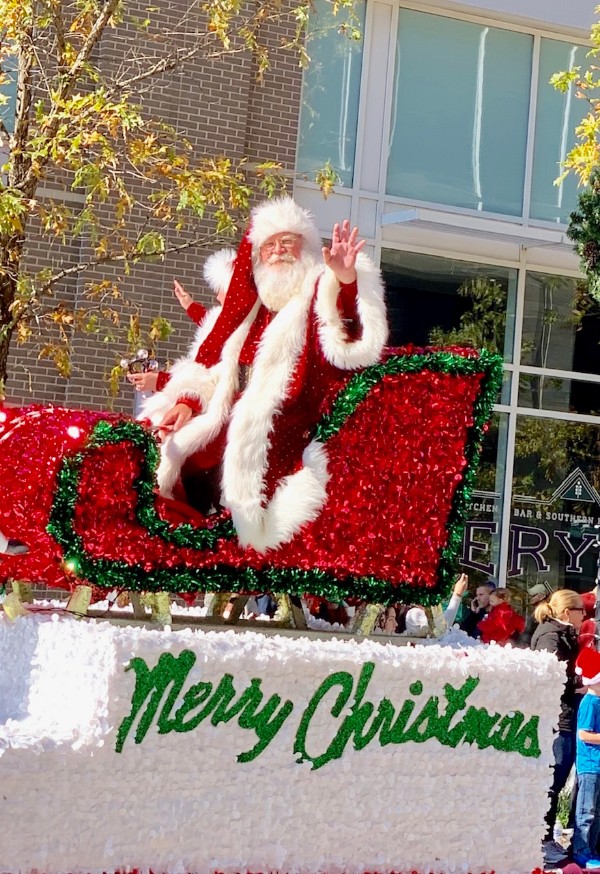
x=559, y=620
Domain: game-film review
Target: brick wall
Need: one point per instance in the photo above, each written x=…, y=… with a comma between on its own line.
x=222, y=109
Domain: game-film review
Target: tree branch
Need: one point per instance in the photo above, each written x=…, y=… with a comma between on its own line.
x=116, y=259
x=21, y=161
x=164, y=65
x=69, y=82
x=95, y=34
x=61, y=41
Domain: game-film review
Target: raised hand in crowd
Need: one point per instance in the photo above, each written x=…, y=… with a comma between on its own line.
x=461, y=585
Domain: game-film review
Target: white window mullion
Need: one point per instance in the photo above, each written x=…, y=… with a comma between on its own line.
x=512, y=425
x=535, y=68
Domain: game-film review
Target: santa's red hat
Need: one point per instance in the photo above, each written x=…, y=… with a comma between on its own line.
x=273, y=217
x=218, y=269
x=588, y=666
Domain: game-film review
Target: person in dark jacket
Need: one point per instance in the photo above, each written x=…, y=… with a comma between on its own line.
x=478, y=609
x=559, y=620
x=536, y=595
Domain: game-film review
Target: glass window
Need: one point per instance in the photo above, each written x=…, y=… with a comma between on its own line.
x=445, y=301
x=543, y=392
x=557, y=116
x=461, y=104
x=561, y=325
x=330, y=95
x=482, y=533
x=9, y=89
x=555, y=503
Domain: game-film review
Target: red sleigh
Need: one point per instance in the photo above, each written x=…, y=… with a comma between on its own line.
x=403, y=439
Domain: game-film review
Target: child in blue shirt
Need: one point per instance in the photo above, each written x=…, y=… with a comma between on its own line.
x=587, y=762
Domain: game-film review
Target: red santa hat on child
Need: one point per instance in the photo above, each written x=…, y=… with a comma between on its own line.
x=588, y=599
x=273, y=217
x=588, y=666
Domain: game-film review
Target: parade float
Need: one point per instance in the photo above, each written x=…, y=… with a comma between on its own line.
x=346, y=473
x=203, y=751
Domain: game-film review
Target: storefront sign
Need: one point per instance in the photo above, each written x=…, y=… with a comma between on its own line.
x=563, y=528
x=525, y=540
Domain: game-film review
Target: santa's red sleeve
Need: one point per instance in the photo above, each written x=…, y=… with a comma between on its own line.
x=210, y=391
x=196, y=312
x=195, y=404
x=163, y=377
x=348, y=308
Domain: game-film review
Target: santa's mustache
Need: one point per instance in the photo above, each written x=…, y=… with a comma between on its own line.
x=287, y=258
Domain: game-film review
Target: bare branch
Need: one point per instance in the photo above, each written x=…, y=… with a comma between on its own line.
x=164, y=65
x=61, y=41
x=116, y=259
x=40, y=70
x=25, y=310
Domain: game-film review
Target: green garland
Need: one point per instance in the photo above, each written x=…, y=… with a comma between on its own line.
x=294, y=581
x=108, y=433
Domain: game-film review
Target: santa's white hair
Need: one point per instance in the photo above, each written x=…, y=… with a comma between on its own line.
x=280, y=216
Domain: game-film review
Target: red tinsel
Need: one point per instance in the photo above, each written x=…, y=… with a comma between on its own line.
x=394, y=468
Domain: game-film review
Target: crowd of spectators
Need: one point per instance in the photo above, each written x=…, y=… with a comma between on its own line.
x=562, y=622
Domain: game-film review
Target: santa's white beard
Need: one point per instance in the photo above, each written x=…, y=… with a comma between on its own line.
x=277, y=284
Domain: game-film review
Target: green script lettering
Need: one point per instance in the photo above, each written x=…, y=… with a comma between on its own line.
x=199, y=702
x=150, y=685
x=448, y=720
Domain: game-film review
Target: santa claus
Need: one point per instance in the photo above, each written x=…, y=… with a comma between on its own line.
x=298, y=316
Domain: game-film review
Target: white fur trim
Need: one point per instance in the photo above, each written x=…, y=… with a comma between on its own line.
x=298, y=499
x=218, y=269
x=281, y=215
x=216, y=388
x=187, y=378
x=3, y=542
x=300, y=496
x=338, y=349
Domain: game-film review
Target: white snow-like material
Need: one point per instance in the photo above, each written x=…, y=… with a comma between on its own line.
x=181, y=802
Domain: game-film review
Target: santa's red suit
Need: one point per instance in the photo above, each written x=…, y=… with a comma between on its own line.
x=274, y=474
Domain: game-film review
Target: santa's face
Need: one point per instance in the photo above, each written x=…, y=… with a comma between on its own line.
x=280, y=269
x=281, y=249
